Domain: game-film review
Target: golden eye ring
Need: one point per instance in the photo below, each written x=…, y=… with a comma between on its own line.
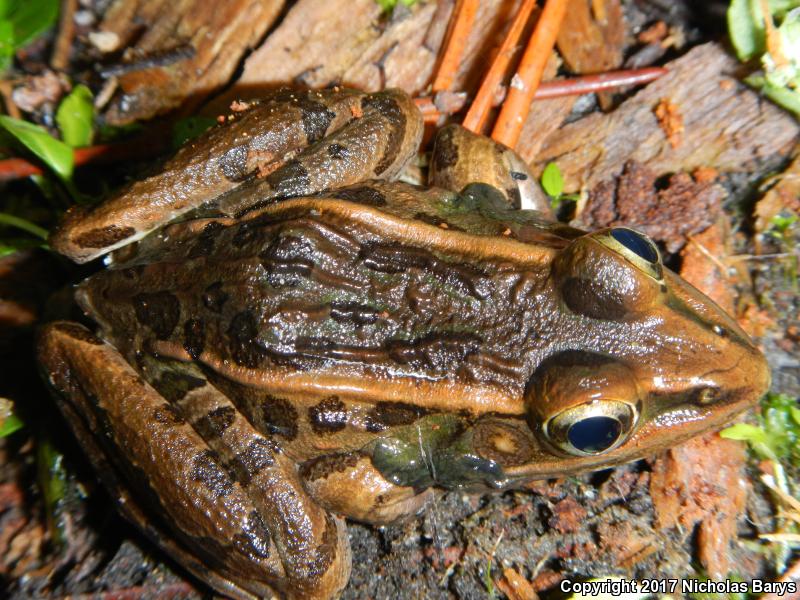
x=636, y=247
x=592, y=428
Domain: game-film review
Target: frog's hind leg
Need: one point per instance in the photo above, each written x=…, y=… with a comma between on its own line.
x=224, y=491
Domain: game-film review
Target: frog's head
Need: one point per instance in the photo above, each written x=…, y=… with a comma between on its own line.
x=648, y=361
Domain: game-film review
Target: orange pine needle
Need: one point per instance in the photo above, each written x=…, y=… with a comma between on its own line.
x=463, y=18
x=475, y=118
x=529, y=75
x=557, y=88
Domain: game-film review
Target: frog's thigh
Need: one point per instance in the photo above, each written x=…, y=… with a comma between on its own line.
x=348, y=484
x=293, y=547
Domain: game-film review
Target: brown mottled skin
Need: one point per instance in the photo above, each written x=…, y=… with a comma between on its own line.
x=288, y=338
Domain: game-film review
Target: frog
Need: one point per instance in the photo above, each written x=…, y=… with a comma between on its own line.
x=284, y=336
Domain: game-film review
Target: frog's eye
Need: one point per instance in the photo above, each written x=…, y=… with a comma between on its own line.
x=583, y=403
x=636, y=243
x=635, y=247
x=614, y=274
x=591, y=428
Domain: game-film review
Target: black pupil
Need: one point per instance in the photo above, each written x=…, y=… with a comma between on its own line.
x=636, y=243
x=594, y=434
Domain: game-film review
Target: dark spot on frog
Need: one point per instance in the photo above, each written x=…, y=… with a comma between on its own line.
x=214, y=423
x=173, y=386
x=338, y=151
x=593, y=299
x=316, y=119
x=244, y=347
x=205, y=241
x=194, y=337
x=278, y=417
x=287, y=260
x=502, y=444
x=329, y=416
x=445, y=152
x=214, y=297
x=353, y=313
x=437, y=352
x=392, y=414
x=167, y=414
x=159, y=311
x=517, y=176
x=312, y=570
x=103, y=236
x=78, y=332
x=207, y=471
x=322, y=466
x=392, y=112
x=234, y=163
x=361, y=195
x=254, y=539
x=258, y=455
x=292, y=179
x=396, y=259
x=514, y=197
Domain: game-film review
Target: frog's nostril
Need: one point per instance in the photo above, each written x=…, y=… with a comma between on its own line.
x=593, y=435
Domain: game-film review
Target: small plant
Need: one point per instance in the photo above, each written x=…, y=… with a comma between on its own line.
x=777, y=439
x=9, y=421
x=553, y=185
x=388, y=5
x=21, y=21
x=781, y=227
x=773, y=39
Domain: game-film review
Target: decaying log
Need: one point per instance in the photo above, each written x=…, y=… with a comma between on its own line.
x=726, y=126
x=349, y=42
x=178, y=50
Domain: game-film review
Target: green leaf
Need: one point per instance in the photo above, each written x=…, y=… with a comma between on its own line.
x=29, y=18
x=552, y=182
x=55, y=153
x=388, y=5
x=9, y=422
x=12, y=245
x=746, y=28
x=52, y=478
x=784, y=97
x=25, y=225
x=6, y=43
x=189, y=128
x=75, y=117
x=744, y=432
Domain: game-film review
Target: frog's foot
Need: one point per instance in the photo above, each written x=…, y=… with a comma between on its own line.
x=227, y=493
x=348, y=484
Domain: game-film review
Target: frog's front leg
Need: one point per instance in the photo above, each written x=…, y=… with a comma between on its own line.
x=229, y=495
x=349, y=484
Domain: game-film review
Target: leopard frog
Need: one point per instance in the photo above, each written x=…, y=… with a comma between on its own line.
x=286, y=337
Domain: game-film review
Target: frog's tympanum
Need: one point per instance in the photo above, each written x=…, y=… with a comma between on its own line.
x=287, y=338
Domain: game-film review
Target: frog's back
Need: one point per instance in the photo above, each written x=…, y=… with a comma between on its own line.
x=365, y=291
